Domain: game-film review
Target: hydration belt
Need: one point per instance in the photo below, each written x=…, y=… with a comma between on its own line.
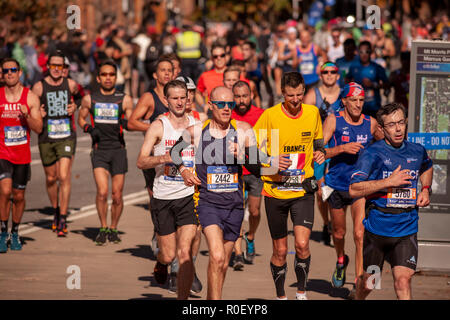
x=370, y=205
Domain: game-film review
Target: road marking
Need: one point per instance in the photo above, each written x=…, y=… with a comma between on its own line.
x=88, y=210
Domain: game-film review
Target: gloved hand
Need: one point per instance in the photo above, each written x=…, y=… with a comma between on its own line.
x=94, y=132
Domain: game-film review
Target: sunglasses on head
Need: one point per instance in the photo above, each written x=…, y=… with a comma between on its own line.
x=328, y=71
x=7, y=70
x=222, y=104
x=56, y=66
x=219, y=56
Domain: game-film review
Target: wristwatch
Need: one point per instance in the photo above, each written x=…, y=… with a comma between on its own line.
x=430, y=191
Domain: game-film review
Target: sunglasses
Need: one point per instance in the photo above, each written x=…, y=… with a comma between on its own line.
x=365, y=52
x=329, y=71
x=219, y=56
x=105, y=74
x=56, y=66
x=7, y=70
x=222, y=104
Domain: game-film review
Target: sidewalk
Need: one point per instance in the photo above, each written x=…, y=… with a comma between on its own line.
x=125, y=271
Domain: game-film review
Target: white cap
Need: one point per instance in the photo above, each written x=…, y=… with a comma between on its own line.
x=190, y=84
x=66, y=61
x=291, y=30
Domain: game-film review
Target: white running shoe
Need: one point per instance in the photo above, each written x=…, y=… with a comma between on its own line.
x=300, y=296
x=278, y=298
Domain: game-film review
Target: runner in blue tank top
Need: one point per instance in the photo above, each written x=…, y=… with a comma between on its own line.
x=327, y=98
x=308, y=60
x=347, y=132
x=220, y=192
x=387, y=174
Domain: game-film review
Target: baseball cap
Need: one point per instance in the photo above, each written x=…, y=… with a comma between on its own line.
x=190, y=84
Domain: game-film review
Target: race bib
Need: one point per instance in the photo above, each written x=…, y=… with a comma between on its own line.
x=58, y=128
x=401, y=198
x=222, y=179
x=307, y=68
x=106, y=113
x=293, y=176
x=171, y=172
x=15, y=136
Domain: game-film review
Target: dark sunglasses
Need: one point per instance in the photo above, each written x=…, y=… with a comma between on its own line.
x=105, y=74
x=56, y=66
x=329, y=71
x=7, y=70
x=219, y=56
x=365, y=51
x=222, y=104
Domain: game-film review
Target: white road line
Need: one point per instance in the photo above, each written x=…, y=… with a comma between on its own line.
x=89, y=210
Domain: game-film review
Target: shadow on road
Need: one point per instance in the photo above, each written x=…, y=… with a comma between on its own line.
x=142, y=205
x=325, y=287
x=152, y=296
x=90, y=233
x=141, y=251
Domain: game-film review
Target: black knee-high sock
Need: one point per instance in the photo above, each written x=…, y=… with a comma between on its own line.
x=15, y=227
x=302, y=270
x=279, y=276
x=4, y=225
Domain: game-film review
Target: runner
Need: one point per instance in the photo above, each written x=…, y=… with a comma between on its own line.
x=387, y=174
x=326, y=98
x=299, y=142
x=371, y=76
x=245, y=111
x=19, y=112
x=107, y=109
x=345, y=62
x=57, y=141
x=218, y=181
x=346, y=132
x=151, y=105
x=172, y=201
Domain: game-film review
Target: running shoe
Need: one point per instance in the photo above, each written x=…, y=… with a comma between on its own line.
x=238, y=263
x=102, y=236
x=160, y=272
x=113, y=236
x=301, y=296
x=196, y=285
x=4, y=236
x=15, y=242
x=338, y=278
x=249, y=249
x=55, y=220
x=62, y=229
x=173, y=283
x=326, y=236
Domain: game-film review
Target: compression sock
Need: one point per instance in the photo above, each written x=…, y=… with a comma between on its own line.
x=302, y=270
x=279, y=276
x=4, y=225
x=15, y=227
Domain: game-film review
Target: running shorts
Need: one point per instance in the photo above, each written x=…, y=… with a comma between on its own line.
x=114, y=160
x=228, y=219
x=19, y=173
x=398, y=251
x=168, y=215
x=340, y=199
x=253, y=185
x=53, y=151
x=277, y=210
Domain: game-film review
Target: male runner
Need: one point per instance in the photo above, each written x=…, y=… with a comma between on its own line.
x=387, y=174
x=294, y=131
x=172, y=201
x=246, y=112
x=219, y=194
x=346, y=132
x=57, y=141
x=107, y=109
x=326, y=97
x=19, y=112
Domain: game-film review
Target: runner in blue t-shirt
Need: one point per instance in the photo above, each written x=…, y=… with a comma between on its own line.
x=344, y=63
x=371, y=75
x=387, y=174
x=347, y=132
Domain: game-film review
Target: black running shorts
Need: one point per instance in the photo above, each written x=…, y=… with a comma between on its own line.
x=19, y=173
x=253, y=185
x=168, y=215
x=115, y=160
x=149, y=176
x=340, y=199
x=277, y=210
x=401, y=251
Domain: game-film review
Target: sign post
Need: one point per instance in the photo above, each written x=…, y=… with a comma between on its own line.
x=428, y=124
